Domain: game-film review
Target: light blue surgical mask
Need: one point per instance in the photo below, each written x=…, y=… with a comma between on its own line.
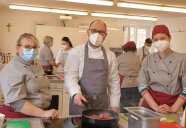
x=29, y=54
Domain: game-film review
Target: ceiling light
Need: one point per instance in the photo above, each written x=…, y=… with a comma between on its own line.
x=171, y=9
x=138, y=6
x=29, y=8
x=96, y=2
x=109, y=28
x=65, y=17
x=151, y=7
x=108, y=15
x=68, y=12
x=124, y=16
x=40, y=9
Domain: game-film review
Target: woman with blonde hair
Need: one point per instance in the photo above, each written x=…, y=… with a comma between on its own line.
x=46, y=56
x=26, y=91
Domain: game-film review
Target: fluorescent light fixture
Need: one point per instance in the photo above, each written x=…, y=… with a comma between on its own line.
x=151, y=7
x=109, y=28
x=65, y=17
x=108, y=15
x=68, y=12
x=40, y=9
x=124, y=16
x=29, y=8
x=171, y=9
x=138, y=6
x=95, y=2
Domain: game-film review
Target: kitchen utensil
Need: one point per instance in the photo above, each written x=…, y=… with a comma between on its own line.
x=88, y=122
x=140, y=117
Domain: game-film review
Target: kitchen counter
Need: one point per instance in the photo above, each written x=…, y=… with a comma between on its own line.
x=67, y=122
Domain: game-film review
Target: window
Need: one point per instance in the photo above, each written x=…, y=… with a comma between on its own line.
x=137, y=34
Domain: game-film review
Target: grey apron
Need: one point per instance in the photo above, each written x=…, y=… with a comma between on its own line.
x=94, y=83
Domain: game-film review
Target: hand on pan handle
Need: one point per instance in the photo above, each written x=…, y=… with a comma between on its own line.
x=79, y=99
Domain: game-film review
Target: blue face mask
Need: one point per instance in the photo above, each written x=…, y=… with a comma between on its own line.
x=29, y=55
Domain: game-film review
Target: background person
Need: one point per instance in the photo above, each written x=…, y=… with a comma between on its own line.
x=129, y=66
x=144, y=50
x=63, y=53
x=46, y=57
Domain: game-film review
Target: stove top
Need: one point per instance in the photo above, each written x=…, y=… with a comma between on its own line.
x=71, y=122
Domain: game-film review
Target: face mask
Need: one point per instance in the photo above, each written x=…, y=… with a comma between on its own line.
x=64, y=46
x=96, y=39
x=161, y=45
x=147, y=47
x=29, y=55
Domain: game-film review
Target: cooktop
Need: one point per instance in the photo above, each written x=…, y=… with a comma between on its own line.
x=71, y=122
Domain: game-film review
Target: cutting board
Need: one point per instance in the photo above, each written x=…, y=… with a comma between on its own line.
x=169, y=125
x=18, y=124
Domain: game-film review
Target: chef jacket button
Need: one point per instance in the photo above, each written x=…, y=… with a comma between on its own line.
x=35, y=76
x=155, y=61
x=170, y=61
x=167, y=86
x=168, y=73
x=153, y=72
x=25, y=66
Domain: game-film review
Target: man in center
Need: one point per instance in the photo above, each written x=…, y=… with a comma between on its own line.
x=91, y=73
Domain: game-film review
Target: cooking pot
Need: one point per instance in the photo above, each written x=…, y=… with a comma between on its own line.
x=89, y=122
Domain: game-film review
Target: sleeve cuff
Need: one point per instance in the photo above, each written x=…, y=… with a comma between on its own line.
x=144, y=91
x=183, y=96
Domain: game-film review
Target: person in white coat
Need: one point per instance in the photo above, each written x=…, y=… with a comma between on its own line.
x=144, y=50
x=91, y=73
x=63, y=53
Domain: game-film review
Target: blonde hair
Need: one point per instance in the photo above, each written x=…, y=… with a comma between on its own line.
x=28, y=36
x=47, y=40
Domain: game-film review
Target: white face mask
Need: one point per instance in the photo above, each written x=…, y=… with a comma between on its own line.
x=147, y=47
x=96, y=39
x=161, y=45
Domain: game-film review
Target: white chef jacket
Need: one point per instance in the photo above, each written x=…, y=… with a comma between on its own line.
x=74, y=69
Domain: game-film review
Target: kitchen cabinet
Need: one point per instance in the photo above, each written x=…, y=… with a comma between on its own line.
x=60, y=96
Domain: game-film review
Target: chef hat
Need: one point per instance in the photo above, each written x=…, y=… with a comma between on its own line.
x=130, y=44
x=160, y=29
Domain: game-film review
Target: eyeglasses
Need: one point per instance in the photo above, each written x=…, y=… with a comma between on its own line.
x=101, y=32
x=29, y=47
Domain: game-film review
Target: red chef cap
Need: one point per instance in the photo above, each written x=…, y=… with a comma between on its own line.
x=160, y=29
x=130, y=44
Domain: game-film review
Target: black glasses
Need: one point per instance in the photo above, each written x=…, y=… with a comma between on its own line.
x=29, y=47
x=101, y=32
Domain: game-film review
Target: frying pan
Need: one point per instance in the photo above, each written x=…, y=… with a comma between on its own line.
x=88, y=122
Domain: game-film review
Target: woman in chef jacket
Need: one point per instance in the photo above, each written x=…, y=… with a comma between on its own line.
x=26, y=92
x=63, y=53
x=46, y=56
x=128, y=66
x=162, y=78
